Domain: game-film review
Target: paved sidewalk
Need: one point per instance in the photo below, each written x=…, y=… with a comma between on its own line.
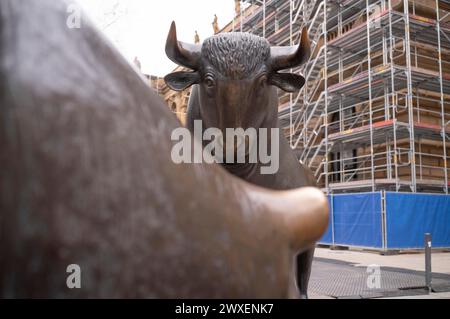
x=440, y=262
x=440, y=295
x=343, y=274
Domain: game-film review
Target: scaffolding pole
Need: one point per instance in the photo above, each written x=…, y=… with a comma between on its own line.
x=325, y=159
x=441, y=87
x=369, y=71
x=410, y=105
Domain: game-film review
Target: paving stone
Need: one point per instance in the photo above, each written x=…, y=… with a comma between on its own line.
x=340, y=279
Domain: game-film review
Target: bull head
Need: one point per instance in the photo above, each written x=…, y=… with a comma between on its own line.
x=279, y=58
x=236, y=75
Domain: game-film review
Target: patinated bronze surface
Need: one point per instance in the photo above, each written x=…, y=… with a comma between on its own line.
x=234, y=78
x=87, y=179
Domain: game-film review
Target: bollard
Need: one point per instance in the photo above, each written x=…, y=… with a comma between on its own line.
x=428, y=261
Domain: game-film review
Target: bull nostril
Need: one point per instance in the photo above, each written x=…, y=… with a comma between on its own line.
x=240, y=140
x=220, y=142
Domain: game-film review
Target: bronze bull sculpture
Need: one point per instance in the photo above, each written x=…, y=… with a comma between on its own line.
x=87, y=179
x=235, y=77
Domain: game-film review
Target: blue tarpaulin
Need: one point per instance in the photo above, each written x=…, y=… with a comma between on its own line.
x=410, y=216
x=356, y=220
x=327, y=238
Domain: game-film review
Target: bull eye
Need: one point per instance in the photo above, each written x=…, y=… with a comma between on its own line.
x=209, y=81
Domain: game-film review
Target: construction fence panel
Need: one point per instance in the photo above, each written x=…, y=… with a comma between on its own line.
x=355, y=220
x=410, y=216
x=327, y=238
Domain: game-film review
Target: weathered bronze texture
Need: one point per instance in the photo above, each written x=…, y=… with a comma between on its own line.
x=234, y=78
x=87, y=178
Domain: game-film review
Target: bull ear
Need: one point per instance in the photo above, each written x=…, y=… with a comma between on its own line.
x=179, y=81
x=288, y=82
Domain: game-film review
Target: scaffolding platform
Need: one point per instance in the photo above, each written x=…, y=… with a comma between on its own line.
x=385, y=129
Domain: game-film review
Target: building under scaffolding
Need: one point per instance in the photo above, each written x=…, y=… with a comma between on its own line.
x=375, y=110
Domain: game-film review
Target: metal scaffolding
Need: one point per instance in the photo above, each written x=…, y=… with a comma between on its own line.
x=374, y=113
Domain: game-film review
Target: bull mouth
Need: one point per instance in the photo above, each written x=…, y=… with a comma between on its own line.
x=241, y=147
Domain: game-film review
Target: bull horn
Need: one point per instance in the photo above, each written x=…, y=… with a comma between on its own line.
x=303, y=213
x=291, y=56
x=184, y=54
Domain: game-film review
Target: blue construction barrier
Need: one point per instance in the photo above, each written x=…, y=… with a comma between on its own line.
x=357, y=220
x=327, y=237
x=409, y=216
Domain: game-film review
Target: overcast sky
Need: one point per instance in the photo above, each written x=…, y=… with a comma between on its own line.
x=139, y=27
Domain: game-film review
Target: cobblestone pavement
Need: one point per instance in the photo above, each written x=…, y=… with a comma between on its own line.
x=413, y=261
x=334, y=277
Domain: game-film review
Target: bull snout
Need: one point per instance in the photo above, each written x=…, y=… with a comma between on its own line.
x=235, y=145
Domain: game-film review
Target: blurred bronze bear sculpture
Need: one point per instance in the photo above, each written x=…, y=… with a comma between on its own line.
x=234, y=77
x=87, y=179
